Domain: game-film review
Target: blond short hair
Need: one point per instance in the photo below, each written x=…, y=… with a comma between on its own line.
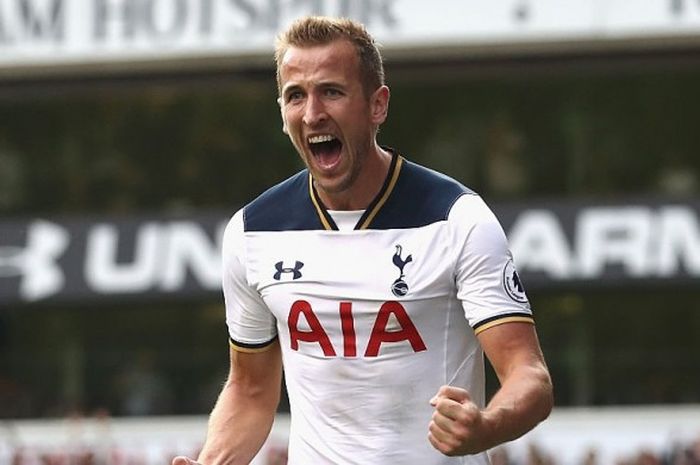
x=319, y=30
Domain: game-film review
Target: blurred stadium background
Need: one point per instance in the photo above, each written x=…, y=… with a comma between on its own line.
x=130, y=130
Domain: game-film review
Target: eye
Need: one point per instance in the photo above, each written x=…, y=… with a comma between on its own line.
x=333, y=92
x=294, y=96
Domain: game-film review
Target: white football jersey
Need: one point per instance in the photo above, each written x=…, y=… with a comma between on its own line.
x=371, y=321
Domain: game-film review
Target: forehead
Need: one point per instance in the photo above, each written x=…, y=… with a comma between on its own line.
x=334, y=60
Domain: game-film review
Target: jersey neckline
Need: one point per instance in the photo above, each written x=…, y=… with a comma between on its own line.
x=375, y=205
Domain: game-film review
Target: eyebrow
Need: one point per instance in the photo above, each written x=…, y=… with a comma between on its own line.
x=322, y=84
x=327, y=84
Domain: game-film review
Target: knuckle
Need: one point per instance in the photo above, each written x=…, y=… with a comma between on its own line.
x=463, y=417
x=462, y=435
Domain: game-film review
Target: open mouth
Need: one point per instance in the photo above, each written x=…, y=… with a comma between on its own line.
x=325, y=149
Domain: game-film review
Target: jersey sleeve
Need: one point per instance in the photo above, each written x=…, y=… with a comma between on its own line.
x=251, y=325
x=488, y=284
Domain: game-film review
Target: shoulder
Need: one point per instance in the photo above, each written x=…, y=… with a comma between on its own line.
x=471, y=209
x=232, y=243
x=475, y=225
x=421, y=196
x=425, y=185
x=283, y=207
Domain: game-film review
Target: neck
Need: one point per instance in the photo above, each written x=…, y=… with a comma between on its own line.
x=370, y=180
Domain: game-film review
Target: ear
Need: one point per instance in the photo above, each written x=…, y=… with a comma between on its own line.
x=379, y=105
x=284, y=120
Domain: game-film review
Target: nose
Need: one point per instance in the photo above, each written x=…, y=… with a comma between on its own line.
x=314, y=112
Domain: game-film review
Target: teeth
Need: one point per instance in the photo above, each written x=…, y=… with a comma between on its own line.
x=319, y=139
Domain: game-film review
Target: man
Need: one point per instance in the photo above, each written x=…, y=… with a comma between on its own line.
x=378, y=283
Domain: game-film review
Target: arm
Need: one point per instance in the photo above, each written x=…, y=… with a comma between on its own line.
x=524, y=399
x=242, y=417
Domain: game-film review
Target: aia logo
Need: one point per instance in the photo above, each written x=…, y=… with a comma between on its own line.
x=399, y=287
x=392, y=325
x=295, y=271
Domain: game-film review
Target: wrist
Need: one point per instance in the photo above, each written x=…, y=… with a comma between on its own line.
x=491, y=421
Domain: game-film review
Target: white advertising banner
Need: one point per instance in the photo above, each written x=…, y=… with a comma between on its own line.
x=556, y=245
x=63, y=33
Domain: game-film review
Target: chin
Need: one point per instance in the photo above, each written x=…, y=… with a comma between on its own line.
x=332, y=185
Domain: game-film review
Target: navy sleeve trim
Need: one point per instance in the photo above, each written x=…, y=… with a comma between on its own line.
x=248, y=347
x=513, y=317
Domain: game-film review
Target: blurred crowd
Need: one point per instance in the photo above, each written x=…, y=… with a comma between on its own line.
x=676, y=453
x=679, y=453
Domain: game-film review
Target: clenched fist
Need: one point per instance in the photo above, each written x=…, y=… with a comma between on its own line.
x=458, y=426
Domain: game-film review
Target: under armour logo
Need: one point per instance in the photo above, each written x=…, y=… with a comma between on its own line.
x=36, y=262
x=399, y=287
x=296, y=274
